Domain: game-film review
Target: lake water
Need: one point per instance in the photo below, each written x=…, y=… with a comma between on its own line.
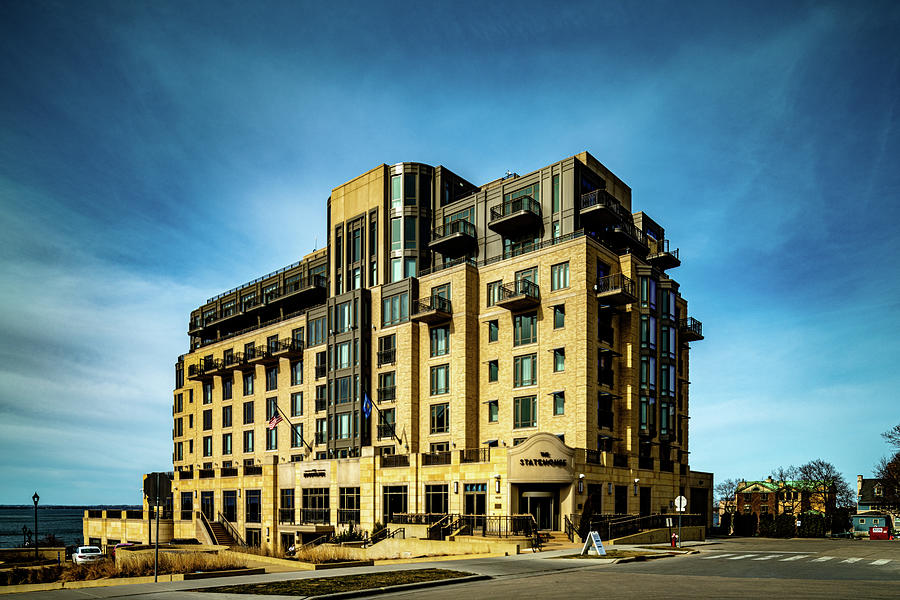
x=64, y=523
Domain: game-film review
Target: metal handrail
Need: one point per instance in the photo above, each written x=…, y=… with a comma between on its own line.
x=691, y=324
x=436, y=303
x=526, y=203
x=522, y=287
x=458, y=226
x=614, y=282
x=231, y=530
x=602, y=198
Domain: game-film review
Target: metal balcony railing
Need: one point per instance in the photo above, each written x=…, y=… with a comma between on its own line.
x=615, y=283
x=395, y=460
x=387, y=357
x=434, y=303
x=315, y=515
x=458, y=226
x=691, y=326
x=522, y=203
x=387, y=394
x=519, y=289
x=385, y=430
x=286, y=515
x=436, y=458
x=604, y=199
x=475, y=455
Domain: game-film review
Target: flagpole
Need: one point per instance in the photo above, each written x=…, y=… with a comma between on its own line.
x=291, y=425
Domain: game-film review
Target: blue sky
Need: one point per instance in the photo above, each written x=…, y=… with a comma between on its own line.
x=153, y=154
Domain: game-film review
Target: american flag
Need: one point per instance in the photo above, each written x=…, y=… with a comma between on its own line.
x=275, y=420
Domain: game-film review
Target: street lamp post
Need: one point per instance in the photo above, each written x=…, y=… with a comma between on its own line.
x=35, y=498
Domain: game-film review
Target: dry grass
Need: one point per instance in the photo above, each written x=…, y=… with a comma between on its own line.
x=128, y=565
x=326, y=554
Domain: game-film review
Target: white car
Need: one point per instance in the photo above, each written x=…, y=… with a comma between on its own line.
x=86, y=554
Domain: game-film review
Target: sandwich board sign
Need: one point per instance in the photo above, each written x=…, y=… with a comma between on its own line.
x=593, y=545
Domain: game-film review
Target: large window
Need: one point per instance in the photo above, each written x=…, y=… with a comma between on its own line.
x=395, y=309
x=387, y=386
x=316, y=505
x=226, y=443
x=386, y=421
x=248, y=412
x=493, y=370
x=348, y=507
x=409, y=188
x=396, y=234
x=272, y=439
x=316, y=331
x=554, y=203
x=493, y=330
x=410, y=225
x=440, y=418
x=248, y=384
x=207, y=420
x=440, y=380
x=297, y=373
x=396, y=192
x=226, y=416
x=227, y=384
x=394, y=500
x=297, y=404
x=559, y=276
x=271, y=407
x=648, y=331
x=342, y=426
x=648, y=373
x=207, y=445
x=342, y=355
x=525, y=411
x=525, y=329
x=559, y=403
x=525, y=370
x=208, y=392
x=297, y=435
x=248, y=440
x=343, y=317
x=440, y=340
x=493, y=407
x=604, y=411
x=559, y=360
x=648, y=293
x=271, y=378
x=493, y=292
x=437, y=499
x=559, y=316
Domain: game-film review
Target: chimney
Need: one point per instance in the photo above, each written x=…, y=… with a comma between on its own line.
x=859, y=481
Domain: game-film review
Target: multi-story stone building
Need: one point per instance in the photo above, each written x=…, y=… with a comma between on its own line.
x=499, y=349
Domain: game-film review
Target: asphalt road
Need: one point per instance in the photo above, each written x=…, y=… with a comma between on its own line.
x=742, y=568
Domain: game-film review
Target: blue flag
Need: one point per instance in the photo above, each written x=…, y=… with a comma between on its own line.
x=367, y=405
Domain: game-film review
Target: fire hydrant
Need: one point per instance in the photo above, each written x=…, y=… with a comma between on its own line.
x=674, y=539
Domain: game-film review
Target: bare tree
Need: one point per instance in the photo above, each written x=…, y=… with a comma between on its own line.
x=887, y=471
x=789, y=497
x=892, y=436
x=725, y=492
x=827, y=488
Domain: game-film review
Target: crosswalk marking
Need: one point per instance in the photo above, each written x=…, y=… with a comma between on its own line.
x=740, y=556
x=881, y=561
x=769, y=557
x=716, y=556
x=798, y=557
x=851, y=560
x=822, y=559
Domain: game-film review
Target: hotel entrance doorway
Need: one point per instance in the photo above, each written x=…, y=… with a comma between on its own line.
x=540, y=505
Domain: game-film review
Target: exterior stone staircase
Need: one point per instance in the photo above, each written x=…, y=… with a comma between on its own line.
x=221, y=535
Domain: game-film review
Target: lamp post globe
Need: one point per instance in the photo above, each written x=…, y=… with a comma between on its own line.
x=35, y=498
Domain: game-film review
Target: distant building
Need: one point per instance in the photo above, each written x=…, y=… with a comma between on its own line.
x=455, y=349
x=871, y=510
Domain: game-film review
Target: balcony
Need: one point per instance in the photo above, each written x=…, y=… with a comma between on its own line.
x=252, y=470
x=691, y=329
x=432, y=310
x=435, y=458
x=206, y=473
x=620, y=460
x=286, y=516
x=516, y=216
x=205, y=369
x=475, y=455
x=289, y=348
x=315, y=515
x=616, y=290
x=519, y=295
x=387, y=357
x=234, y=361
x=228, y=472
x=626, y=236
x=661, y=257
x=394, y=460
x=387, y=394
x=261, y=356
x=453, y=239
x=600, y=208
x=309, y=290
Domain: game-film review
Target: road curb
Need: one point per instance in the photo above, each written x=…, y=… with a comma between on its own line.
x=399, y=588
x=632, y=559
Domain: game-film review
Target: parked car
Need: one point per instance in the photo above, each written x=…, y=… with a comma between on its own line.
x=86, y=554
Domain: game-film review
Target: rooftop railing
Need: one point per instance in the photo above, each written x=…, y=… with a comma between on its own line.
x=458, y=226
x=522, y=203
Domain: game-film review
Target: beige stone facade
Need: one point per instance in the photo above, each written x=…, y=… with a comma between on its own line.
x=521, y=342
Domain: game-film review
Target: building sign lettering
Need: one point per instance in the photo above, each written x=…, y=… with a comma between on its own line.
x=543, y=462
